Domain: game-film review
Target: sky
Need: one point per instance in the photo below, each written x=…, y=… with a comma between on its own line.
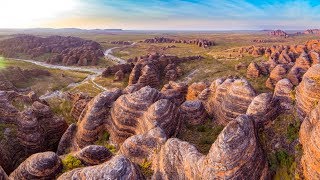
x=161, y=14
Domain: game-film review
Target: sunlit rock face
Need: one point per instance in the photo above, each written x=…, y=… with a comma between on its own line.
x=194, y=112
x=309, y=138
x=264, y=108
x=307, y=92
x=93, y=155
x=119, y=167
x=226, y=99
x=123, y=116
x=283, y=92
x=236, y=154
x=141, y=111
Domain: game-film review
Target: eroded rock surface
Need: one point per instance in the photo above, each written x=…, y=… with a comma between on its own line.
x=44, y=165
x=236, y=154
x=307, y=92
x=226, y=99
x=118, y=167
x=62, y=50
x=30, y=127
x=309, y=138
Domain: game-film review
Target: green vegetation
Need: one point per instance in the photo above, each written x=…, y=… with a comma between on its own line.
x=2, y=63
x=202, y=136
x=58, y=79
x=283, y=164
x=70, y=162
x=63, y=108
x=283, y=160
x=145, y=168
x=288, y=125
x=103, y=141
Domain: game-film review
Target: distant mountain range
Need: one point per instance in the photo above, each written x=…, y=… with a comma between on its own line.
x=62, y=30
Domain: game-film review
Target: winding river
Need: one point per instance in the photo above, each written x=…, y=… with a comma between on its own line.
x=95, y=72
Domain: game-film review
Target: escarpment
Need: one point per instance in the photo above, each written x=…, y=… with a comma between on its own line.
x=28, y=129
x=236, y=154
x=309, y=138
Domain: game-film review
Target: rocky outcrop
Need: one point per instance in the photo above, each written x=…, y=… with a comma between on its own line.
x=228, y=98
x=253, y=70
x=195, y=89
x=175, y=92
x=236, y=154
x=44, y=165
x=194, y=112
x=29, y=130
x=263, y=109
x=149, y=70
x=121, y=42
x=118, y=167
x=93, y=118
x=62, y=50
x=141, y=111
x=112, y=70
x=278, y=73
x=278, y=33
x=307, y=92
x=79, y=102
x=284, y=93
x=309, y=138
x=140, y=147
x=93, y=155
x=119, y=76
x=199, y=42
x=122, y=116
x=312, y=31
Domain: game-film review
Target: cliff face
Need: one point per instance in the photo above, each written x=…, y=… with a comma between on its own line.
x=307, y=92
x=309, y=138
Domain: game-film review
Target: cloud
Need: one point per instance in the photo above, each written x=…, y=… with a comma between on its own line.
x=169, y=14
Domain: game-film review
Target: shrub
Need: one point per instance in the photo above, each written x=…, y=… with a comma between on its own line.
x=145, y=168
x=70, y=162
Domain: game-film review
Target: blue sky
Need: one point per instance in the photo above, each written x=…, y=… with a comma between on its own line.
x=178, y=14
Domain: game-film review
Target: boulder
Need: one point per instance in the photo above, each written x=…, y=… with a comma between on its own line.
x=44, y=165
x=118, y=167
x=307, y=92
